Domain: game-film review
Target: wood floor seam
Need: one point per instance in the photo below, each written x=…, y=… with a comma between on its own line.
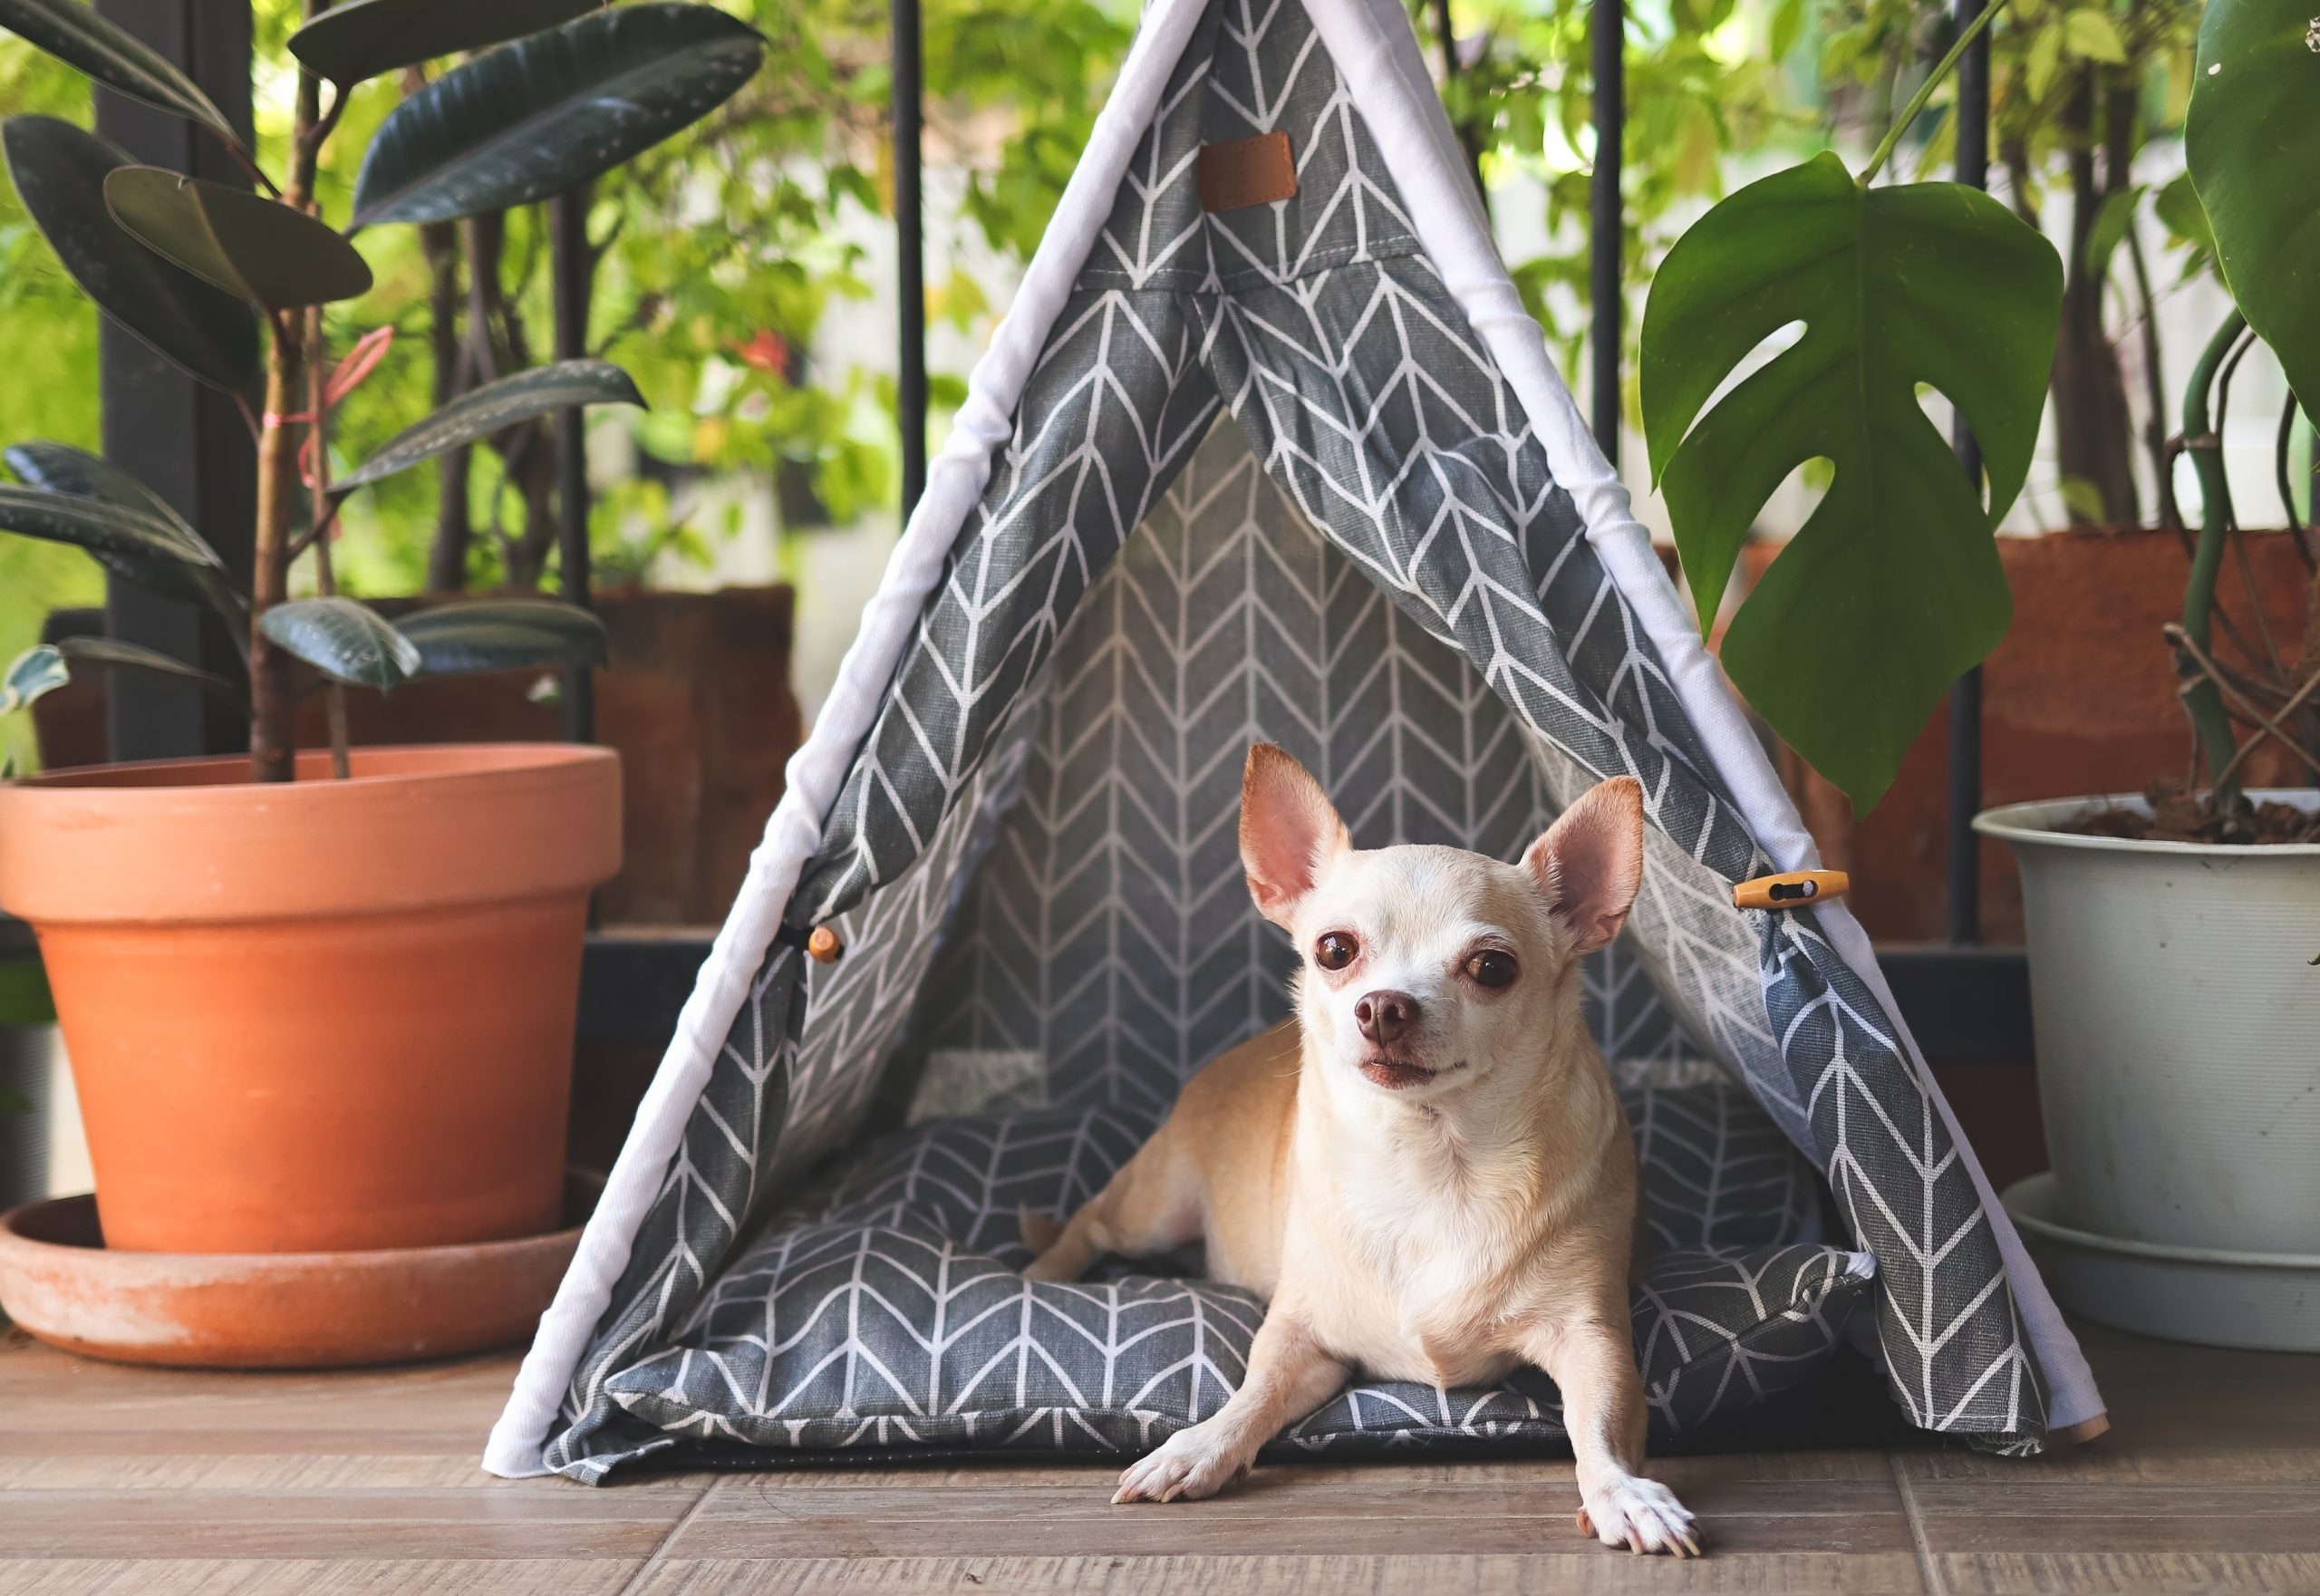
x=1928, y=1571
x=636, y=1582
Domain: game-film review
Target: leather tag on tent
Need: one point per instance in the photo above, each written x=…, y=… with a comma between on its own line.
x=1247, y=171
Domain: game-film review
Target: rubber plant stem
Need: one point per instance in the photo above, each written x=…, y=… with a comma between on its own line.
x=1941, y=69
x=2201, y=700
x=274, y=751
x=326, y=578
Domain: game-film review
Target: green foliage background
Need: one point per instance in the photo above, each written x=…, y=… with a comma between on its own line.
x=727, y=248
x=49, y=331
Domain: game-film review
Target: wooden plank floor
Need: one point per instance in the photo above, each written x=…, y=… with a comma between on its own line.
x=149, y=1484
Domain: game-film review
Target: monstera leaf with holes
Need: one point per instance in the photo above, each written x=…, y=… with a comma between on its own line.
x=2252, y=141
x=1893, y=588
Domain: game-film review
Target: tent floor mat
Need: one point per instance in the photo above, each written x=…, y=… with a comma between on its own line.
x=1842, y=1409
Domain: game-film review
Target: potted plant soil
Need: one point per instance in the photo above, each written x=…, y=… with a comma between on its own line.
x=322, y=1001
x=2174, y=934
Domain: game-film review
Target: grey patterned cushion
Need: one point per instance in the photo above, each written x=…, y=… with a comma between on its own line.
x=886, y=1311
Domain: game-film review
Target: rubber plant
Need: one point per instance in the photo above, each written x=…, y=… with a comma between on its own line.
x=229, y=284
x=1893, y=587
x=2252, y=145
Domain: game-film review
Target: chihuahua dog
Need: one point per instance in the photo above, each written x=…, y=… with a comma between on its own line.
x=1425, y=1171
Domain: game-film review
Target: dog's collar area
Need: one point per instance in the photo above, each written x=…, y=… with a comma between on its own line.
x=1790, y=890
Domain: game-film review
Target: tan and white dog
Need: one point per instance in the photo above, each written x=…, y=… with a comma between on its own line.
x=1425, y=1171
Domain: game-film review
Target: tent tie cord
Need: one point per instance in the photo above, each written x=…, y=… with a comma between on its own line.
x=1792, y=889
x=820, y=944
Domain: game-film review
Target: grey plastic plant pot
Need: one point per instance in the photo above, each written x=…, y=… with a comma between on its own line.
x=2176, y=1004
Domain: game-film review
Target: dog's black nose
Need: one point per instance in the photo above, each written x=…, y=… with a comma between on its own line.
x=1384, y=1016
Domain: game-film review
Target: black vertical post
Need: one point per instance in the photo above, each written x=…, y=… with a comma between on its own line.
x=186, y=442
x=572, y=267
x=1607, y=30
x=1963, y=849
x=910, y=251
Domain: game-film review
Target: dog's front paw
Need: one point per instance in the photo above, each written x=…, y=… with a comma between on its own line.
x=1189, y=1465
x=1643, y=1515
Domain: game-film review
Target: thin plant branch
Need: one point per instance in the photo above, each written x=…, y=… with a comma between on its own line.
x=325, y=578
x=2281, y=445
x=2289, y=707
x=2209, y=671
x=1965, y=36
x=2201, y=700
x=2171, y=514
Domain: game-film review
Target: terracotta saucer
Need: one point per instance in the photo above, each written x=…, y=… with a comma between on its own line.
x=274, y=1310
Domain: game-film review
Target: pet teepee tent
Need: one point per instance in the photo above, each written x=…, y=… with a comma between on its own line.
x=1267, y=448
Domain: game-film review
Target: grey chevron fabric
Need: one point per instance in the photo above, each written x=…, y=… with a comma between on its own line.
x=889, y=1313
x=1108, y=933
x=1264, y=481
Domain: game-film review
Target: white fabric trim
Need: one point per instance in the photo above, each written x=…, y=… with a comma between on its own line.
x=1376, y=54
x=817, y=773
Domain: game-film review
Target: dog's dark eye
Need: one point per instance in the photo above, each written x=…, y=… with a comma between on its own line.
x=1491, y=968
x=1335, y=950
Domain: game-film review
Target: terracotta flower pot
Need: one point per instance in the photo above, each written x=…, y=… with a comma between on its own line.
x=322, y=1016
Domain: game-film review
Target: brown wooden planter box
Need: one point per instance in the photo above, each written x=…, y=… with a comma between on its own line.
x=2080, y=698
x=697, y=701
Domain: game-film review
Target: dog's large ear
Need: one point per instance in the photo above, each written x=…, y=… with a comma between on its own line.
x=1590, y=863
x=1289, y=832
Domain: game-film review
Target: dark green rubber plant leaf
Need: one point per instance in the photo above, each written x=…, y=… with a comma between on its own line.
x=76, y=35
x=192, y=571
x=31, y=676
x=504, y=634
x=340, y=638
x=348, y=44
x=60, y=468
x=60, y=174
x=109, y=653
x=254, y=249
x=2252, y=141
x=544, y=114
x=1893, y=587
x=149, y=550
x=494, y=407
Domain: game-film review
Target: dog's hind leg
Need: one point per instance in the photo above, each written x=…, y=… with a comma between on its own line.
x=1153, y=1206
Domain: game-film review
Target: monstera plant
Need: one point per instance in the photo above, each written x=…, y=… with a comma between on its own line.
x=1891, y=589
x=2252, y=142
x=229, y=284
x=2172, y=982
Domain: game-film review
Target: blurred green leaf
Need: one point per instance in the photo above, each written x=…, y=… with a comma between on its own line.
x=2084, y=500
x=109, y=653
x=547, y=114
x=350, y=43
x=2090, y=36
x=74, y=34
x=256, y=248
x=33, y=675
x=494, y=407
x=2111, y=225
x=343, y=639
x=504, y=634
x=191, y=569
x=146, y=548
x=2253, y=145
x=60, y=174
